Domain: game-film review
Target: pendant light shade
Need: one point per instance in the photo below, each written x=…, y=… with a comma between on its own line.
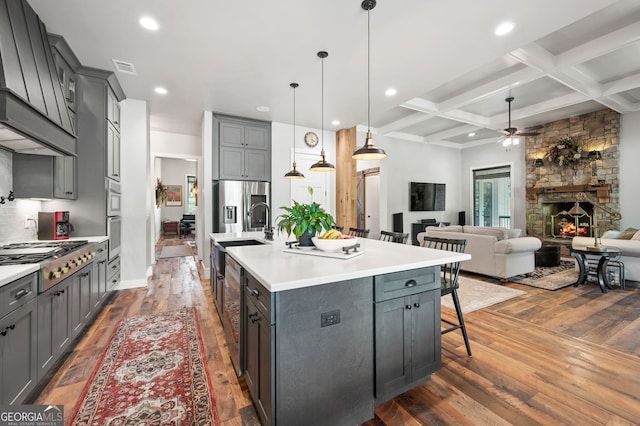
x=294, y=174
x=369, y=151
x=322, y=165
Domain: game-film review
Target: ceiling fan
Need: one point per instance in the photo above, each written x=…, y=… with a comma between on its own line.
x=511, y=133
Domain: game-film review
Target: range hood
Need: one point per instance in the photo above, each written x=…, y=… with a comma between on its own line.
x=34, y=117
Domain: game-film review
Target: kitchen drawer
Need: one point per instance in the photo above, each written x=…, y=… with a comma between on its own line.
x=113, y=273
x=259, y=295
x=406, y=283
x=102, y=250
x=17, y=293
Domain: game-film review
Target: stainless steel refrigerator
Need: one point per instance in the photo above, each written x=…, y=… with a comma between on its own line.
x=233, y=202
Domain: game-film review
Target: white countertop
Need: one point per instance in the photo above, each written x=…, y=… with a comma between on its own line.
x=9, y=273
x=279, y=271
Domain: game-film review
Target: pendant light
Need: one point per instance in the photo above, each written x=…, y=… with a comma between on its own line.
x=294, y=174
x=322, y=165
x=369, y=151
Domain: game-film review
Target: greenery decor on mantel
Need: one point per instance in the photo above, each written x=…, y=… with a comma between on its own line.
x=567, y=152
x=161, y=192
x=304, y=217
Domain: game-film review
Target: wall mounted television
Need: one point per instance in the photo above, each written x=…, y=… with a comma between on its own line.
x=426, y=197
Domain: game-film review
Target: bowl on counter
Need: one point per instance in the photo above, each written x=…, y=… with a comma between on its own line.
x=333, y=245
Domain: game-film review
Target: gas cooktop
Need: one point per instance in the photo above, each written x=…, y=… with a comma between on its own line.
x=37, y=251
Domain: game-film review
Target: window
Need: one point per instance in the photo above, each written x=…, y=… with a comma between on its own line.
x=492, y=196
x=192, y=195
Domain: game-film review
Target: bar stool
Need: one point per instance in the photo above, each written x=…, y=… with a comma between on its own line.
x=356, y=232
x=394, y=237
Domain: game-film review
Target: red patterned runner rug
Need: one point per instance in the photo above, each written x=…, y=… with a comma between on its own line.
x=153, y=372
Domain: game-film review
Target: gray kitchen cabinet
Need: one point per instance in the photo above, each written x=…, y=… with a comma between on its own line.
x=113, y=110
x=331, y=324
x=42, y=176
x=64, y=177
x=113, y=274
x=81, y=307
x=18, y=362
x=99, y=272
x=18, y=375
x=55, y=330
x=241, y=149
x=66, y=65
x=407, y=341
x=98, y=154
x=259, y=349
x=113, y=153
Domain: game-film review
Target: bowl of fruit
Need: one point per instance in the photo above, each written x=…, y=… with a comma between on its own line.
x=333, y=241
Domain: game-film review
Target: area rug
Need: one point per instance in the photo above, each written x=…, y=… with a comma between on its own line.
x=475, y=294
x=153, y=372
x=550, y=278
x=175, y=251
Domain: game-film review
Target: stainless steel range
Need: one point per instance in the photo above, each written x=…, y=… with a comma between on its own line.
x=57, y=259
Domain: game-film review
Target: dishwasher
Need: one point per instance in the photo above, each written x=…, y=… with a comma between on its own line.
x=232, y=309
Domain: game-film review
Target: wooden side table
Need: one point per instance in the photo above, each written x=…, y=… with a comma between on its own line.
x=170, y=227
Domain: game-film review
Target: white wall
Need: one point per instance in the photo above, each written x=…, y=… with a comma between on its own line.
x=137, y=196
x=420, y=162
x=281, y=161
x=629, y=170
x=175, y=172
x=492, y=154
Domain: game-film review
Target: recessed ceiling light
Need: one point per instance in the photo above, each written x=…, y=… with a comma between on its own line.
x=335, y=122
x=263, y=108
x=504, y=28
x=160, y=90
x=149, y=23
x=390, y=92
x=471, y=134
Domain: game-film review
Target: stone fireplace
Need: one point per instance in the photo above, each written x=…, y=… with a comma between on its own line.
x=552, y=188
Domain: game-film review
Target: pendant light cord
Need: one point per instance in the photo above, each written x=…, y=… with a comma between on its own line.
x=322, y=104
x=369, y=69
x=294, y=124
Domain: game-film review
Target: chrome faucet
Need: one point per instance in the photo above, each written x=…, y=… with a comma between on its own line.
x=268, y=230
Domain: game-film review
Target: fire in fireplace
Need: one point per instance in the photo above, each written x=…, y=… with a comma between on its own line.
x=566, y=220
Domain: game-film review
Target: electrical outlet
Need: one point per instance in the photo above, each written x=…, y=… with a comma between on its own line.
x=329, y=318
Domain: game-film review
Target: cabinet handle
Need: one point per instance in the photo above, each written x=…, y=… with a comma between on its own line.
x=411, y=283
x=255, y=319
x=22, y=293
x=417, y=305
x=255, y=292
x=253, y=315
x=408, y=307
x=11, y=327
x=3, y=332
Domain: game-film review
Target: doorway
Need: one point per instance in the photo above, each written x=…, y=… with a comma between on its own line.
x=492, y=196
x=368, y=201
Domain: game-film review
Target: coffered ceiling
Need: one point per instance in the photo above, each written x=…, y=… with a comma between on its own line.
x=451, y=73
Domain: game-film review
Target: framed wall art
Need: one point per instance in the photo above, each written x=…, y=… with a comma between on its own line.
x=174, y=196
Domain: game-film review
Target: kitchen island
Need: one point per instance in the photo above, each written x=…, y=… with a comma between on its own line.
x=324, y=340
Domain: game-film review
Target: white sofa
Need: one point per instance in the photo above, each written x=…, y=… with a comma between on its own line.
x=628, y=241
x=495, y=251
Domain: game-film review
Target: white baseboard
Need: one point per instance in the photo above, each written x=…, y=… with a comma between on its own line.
x=132, y=284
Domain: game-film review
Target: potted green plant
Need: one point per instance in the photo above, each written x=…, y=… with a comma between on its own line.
x=304, y=220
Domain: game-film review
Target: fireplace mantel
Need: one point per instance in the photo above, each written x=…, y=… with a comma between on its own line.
x=602, y=191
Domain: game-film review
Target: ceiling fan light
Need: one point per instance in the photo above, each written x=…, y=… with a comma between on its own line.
x=369, y=151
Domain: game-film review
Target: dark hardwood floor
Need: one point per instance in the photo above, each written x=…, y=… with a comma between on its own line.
x=570, y=356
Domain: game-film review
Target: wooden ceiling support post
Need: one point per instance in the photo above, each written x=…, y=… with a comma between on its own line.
x=346, y=194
